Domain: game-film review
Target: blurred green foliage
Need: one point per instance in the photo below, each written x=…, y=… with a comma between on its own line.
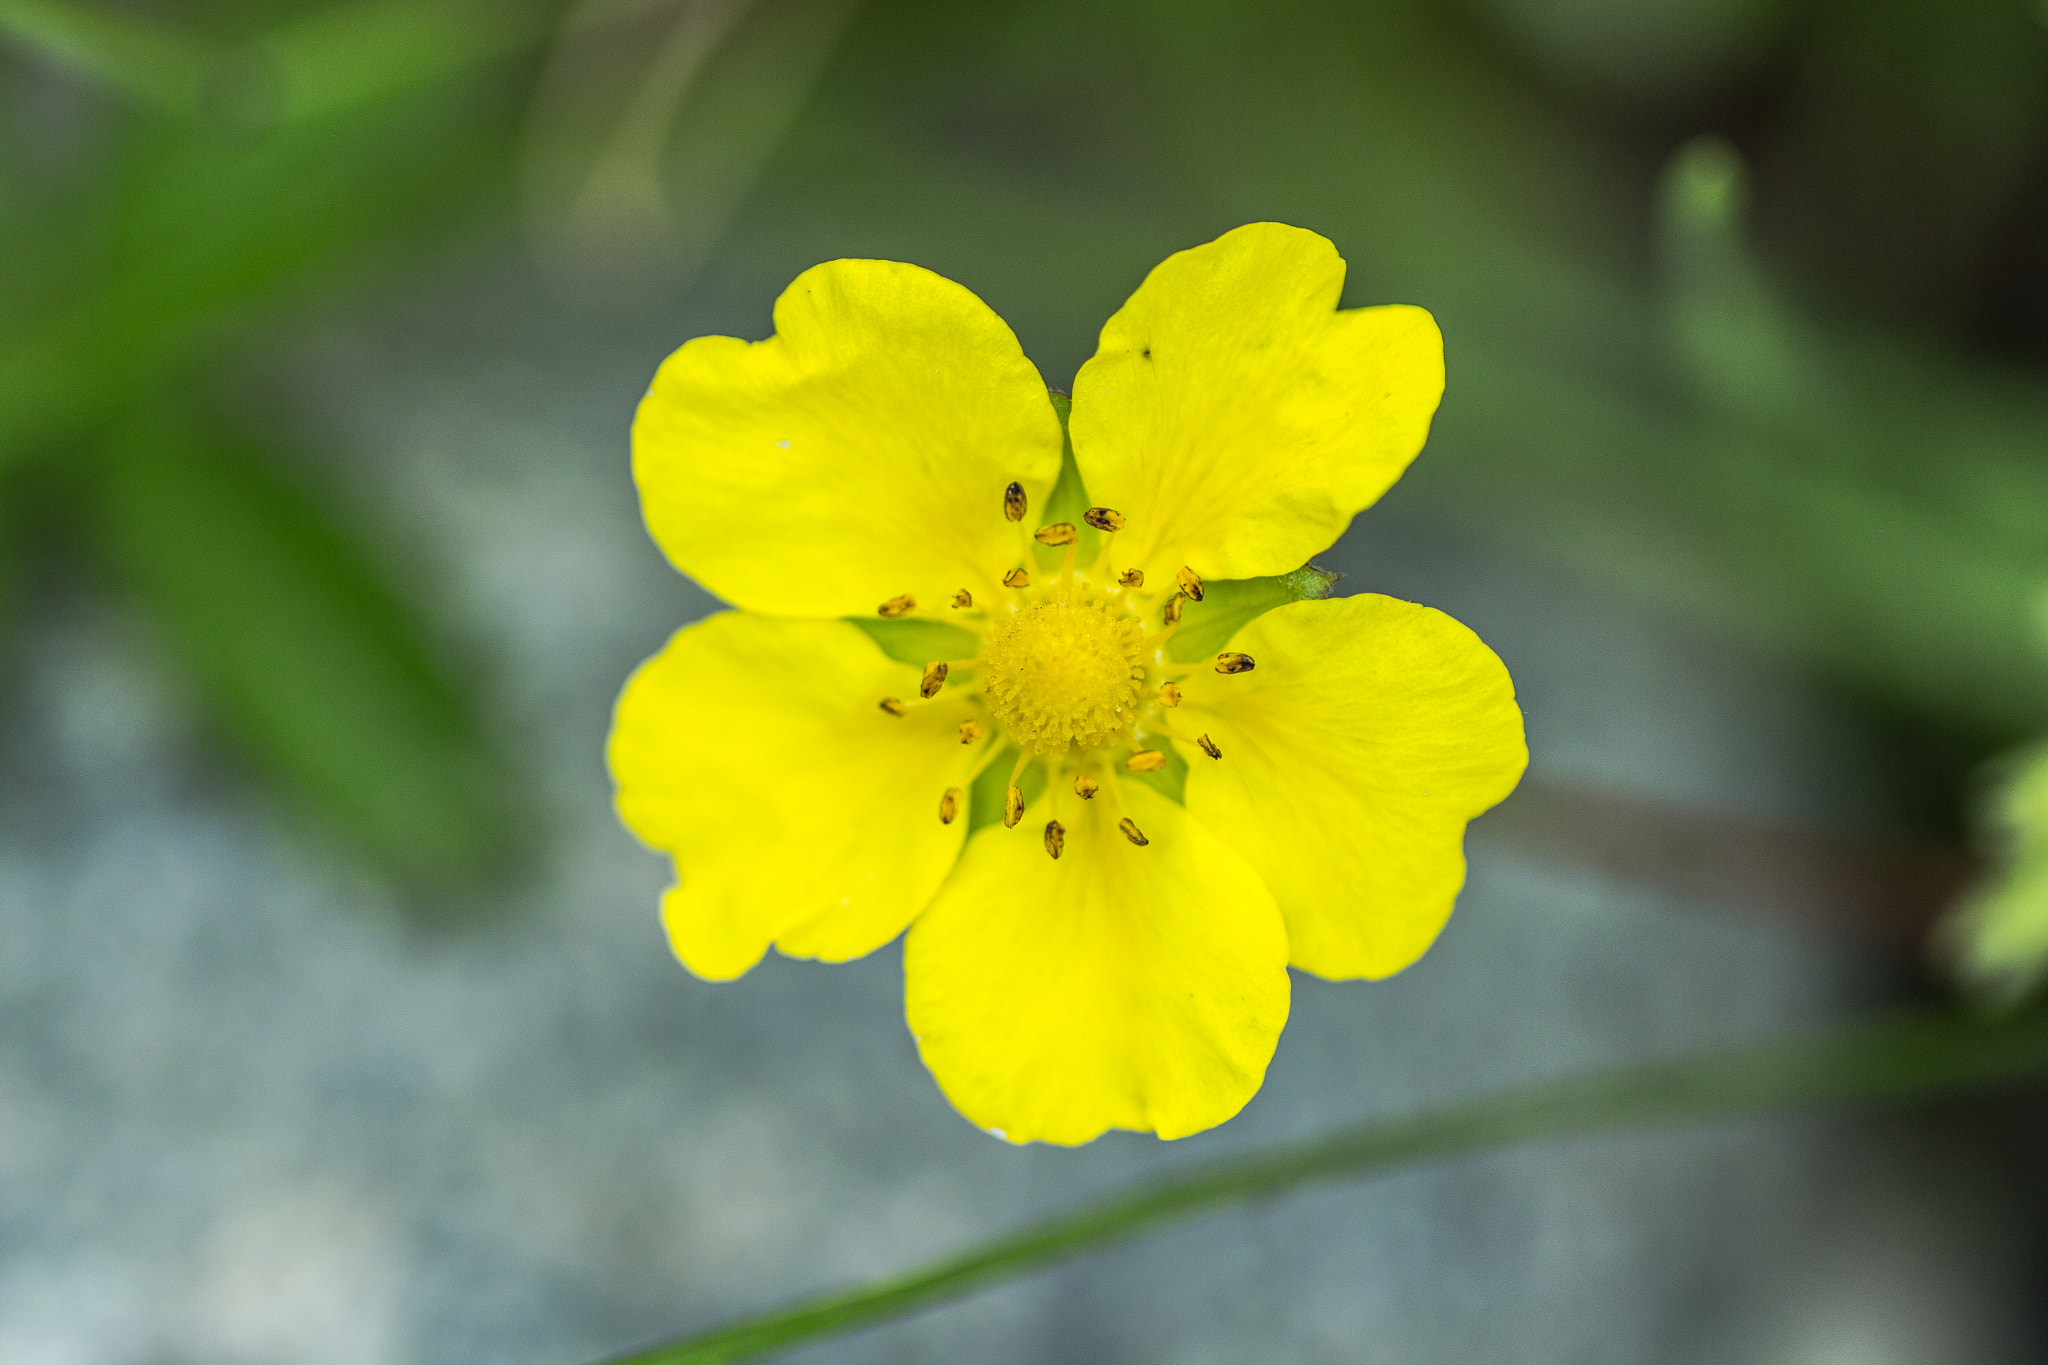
x=1745, y=300
x=305, y=653
x=216, y=177
x=1628, y=388
x=1998, y=940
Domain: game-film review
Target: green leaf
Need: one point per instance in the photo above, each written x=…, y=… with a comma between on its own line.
x=350, y=56
x=156, y=64
x=1230, y=604
x=303, y=653
x=1998, y=938
x=197, y=233
x=1895, y=1060
x=335, y=58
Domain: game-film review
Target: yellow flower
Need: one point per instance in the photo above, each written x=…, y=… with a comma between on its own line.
x=951, y=701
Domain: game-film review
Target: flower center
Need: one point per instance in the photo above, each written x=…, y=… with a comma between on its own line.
x=1062, y=666
x=1064, y=672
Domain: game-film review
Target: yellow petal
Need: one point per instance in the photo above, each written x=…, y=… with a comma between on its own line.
x=858, y=455
x=799, y=812
x=1239, y=421
x=1119, y=987
x=1353, y=755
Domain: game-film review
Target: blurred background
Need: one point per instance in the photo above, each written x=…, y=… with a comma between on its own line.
x=335, y=1023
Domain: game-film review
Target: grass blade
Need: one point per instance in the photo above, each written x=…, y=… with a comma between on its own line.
x=1907, y=1059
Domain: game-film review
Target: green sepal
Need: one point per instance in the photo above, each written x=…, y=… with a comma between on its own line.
x=1068, y=500
x=985, y=797
x=1170, y=781
x=1229, y=604
x=909, y=640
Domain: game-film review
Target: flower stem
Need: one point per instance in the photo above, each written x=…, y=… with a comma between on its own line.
x=1912, y=1058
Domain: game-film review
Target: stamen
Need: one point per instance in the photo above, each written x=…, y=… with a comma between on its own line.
x=1145, y=761
x=1085, y=786
x=1124, y=821
x=1171, y=613
x=1230, y=661
x=962, y=600
x=1013, y=795
x=934, y=679
x=1190, y=582
x=1055, y=838
x=1131, y=578
x=970, y=730
x=1208, y=746
x=897, y=606
x=1015, y=504
x=895, y=707
x=1108, y=521
x=1169, y=694
x=1058, y=533
x=949, y=805
x=1017, y=578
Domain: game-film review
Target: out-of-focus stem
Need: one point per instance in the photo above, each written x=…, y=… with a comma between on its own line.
x=1895, y=1060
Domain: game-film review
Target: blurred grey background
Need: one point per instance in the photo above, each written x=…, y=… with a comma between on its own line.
x=335, y=1021
x=253, y=1114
